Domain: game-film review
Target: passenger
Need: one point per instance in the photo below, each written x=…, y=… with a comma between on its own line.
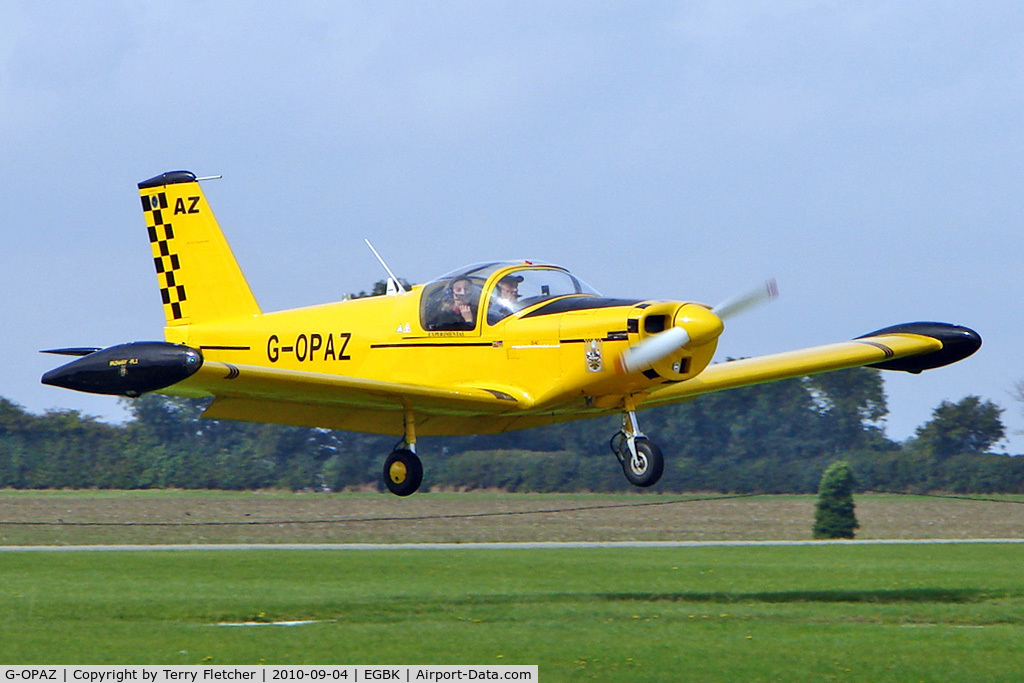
x=457, y=310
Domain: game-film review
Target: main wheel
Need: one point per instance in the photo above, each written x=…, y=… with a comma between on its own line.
x=645, y=469
x=403, y=472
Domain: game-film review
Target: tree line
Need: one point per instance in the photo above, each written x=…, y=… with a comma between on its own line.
x=772, y=438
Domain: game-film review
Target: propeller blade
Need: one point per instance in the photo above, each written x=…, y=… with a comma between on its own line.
x=648, y=352
x=744, y=302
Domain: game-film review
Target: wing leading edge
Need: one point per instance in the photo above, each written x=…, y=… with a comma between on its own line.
x=912, y=347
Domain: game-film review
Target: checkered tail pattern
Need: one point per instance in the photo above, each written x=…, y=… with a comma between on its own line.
x=167, y=262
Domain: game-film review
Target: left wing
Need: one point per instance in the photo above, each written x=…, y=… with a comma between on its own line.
x=912, y=347
x=232, y=381
x=255, y=393
x=294, y=397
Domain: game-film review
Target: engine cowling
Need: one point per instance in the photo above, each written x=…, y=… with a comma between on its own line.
x=668, y=335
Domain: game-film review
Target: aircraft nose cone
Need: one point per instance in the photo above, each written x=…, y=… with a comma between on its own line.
x=701, y=324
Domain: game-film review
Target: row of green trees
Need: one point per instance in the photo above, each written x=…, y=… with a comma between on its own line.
x=772, y=438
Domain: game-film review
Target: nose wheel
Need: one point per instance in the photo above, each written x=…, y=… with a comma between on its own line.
x=641, y=460
x=642, y=463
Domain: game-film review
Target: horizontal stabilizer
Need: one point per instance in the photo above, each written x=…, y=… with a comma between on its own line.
x=73, y=351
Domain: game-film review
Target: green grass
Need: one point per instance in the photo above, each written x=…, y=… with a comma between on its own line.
x=879, y=613
x=848, y=612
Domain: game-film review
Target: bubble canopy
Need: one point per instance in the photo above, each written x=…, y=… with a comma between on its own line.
x=496, y=290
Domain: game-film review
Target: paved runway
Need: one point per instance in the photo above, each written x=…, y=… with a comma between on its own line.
x=486, y=546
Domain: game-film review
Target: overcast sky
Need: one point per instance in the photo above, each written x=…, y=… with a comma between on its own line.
x=868, y=155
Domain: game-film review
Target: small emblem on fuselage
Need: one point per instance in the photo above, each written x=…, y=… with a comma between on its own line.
x=594, y=355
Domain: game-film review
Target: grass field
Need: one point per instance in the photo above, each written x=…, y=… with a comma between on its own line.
x=828, y=612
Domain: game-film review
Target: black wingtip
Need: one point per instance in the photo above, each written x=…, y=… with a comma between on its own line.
x=128, y=369
x=958, y=342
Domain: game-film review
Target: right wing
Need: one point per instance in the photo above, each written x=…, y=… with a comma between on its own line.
x=912, y=347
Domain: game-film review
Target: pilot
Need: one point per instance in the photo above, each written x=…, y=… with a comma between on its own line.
x=505, y=299
x=457, y=310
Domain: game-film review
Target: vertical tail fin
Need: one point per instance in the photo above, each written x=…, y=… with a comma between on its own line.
x=199, y=278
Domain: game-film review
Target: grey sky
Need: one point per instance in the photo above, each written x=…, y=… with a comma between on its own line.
x=868, y=155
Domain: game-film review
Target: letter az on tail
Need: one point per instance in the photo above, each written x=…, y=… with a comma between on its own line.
x=487, y=348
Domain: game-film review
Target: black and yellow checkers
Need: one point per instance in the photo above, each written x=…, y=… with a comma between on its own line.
x=197, y=274
x=168, y=265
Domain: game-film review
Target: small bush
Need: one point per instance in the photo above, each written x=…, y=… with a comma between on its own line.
x=834, y=516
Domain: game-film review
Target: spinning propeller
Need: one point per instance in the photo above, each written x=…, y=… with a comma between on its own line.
x=744, y=302
x=658, y=346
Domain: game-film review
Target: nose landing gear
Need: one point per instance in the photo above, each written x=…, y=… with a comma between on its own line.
x=641, y=460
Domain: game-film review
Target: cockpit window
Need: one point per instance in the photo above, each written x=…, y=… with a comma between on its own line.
x=453, y=301
x=452, y=304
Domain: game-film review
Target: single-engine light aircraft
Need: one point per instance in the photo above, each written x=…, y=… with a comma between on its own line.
x=487, y=348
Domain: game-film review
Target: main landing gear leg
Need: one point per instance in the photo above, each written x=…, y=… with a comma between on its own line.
x=403, y=471
x=641, y=460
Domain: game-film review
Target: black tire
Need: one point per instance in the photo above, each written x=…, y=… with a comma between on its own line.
x=403, y=472
x=648, y=470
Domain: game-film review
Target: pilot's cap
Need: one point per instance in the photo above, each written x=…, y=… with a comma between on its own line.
x=511, y=280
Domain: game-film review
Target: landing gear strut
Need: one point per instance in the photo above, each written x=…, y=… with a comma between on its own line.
x=641, y=460
x=403, y=471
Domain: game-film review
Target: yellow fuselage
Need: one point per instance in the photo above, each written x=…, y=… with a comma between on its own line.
x=553, y=364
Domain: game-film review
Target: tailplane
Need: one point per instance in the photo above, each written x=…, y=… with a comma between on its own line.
x=199, y=278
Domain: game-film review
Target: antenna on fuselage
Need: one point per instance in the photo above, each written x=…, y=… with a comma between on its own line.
x=395, y=286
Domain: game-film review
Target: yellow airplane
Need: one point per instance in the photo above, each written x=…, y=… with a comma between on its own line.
x=488, y=348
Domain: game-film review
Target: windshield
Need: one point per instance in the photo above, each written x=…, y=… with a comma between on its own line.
x=528, y=286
